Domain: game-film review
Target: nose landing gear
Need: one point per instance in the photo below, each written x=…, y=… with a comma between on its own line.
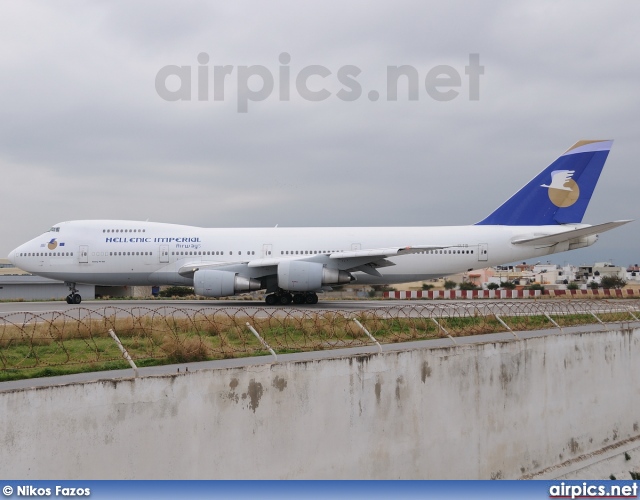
x=74, y=297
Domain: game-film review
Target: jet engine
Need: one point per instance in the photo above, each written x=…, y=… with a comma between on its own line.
x=301, y=276
x=211, y=283
x=585, y=241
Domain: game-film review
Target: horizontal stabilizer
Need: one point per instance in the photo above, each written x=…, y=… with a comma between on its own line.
x=551, y=239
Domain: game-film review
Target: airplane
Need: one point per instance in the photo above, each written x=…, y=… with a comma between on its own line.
x=294, y=264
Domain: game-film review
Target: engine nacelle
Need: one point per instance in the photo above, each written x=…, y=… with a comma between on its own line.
x=585, y=241
x=301, y=276
x=212, y=283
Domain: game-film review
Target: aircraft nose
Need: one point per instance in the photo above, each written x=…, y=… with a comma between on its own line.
x=12, y=256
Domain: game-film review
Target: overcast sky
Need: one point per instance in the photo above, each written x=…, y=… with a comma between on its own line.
x=84, y=133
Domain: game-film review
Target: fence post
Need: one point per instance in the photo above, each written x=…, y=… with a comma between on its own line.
x=124, y=352
x=253, y=330
x=599, y=320
x=368, y=334
x=443, y=329
x=549, y=318
x=506, y=326
x=631, y=312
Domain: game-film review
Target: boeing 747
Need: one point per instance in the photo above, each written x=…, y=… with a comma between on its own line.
x=294, y=264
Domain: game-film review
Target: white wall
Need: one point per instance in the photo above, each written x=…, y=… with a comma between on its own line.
x=500, y=410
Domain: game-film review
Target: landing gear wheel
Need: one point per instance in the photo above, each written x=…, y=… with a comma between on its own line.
x=74, y=296
x=271, y=299
x=298, y=298
x=311, y=298
x=285, y=299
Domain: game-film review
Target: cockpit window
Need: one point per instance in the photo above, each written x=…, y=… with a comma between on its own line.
x=54, y=229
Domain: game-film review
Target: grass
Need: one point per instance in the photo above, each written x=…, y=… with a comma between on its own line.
x=65, y=346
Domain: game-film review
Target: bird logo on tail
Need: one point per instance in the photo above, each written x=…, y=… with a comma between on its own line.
x=563, y=190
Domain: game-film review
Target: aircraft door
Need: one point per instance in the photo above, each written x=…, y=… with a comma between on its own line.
x=84, y=254
x=164, y=254
x=356, y=246
x=267, y=250
x=483, y=251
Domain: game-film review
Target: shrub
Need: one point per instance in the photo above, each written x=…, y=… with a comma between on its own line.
x=534, y=286
x=573, y=286
x=449, y=285
x=509, y=285
x=185, y=350
x=492, y=286
x=467, y=285
x=177, y=291
x=612, y=282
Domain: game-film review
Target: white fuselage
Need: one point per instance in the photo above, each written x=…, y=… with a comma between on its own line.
x=147, y=253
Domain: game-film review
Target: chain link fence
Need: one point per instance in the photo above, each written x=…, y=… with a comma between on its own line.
x=78, y=340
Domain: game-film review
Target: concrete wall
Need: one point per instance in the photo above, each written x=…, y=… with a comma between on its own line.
x=493, y=410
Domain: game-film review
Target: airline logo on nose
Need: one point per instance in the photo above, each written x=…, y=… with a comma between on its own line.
x=53, y=244
x=563, y=190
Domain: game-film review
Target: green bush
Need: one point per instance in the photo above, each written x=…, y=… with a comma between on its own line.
x=534, y=286
x=450, y=285
x=573, y=286
x=492, y=286
x=467, y=285
x=177, y=291
x=508, y=285
x=612, y=282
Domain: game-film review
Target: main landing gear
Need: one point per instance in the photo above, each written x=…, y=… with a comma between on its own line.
x=74, y=297
x=284, y=298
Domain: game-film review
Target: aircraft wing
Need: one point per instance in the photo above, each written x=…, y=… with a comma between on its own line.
x=366, y=255
x=386, y=252
x=187, y=270
x=366, y=260
x=551, y=239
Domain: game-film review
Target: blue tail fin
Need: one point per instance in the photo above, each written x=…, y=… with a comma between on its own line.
x=560, y=193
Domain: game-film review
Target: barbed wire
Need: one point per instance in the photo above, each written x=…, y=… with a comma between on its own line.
x=40, y=344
